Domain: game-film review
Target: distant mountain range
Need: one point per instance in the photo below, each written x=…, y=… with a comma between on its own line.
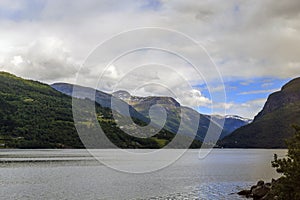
x=140, y=106
x=232, y=122
x=273, y=124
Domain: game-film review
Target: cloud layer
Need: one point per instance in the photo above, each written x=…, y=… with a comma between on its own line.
x=48, y=40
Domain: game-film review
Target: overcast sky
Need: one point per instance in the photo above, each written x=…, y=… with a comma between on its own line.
x=254, y=44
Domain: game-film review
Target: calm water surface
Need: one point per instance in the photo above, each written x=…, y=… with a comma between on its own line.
x=73, y=174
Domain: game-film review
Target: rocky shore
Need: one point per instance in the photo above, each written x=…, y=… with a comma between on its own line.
x=260, y=191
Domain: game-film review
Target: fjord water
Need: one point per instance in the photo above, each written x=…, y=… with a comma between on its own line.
x=74, y=174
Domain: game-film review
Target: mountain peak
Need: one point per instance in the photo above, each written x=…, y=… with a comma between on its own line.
x=292, y=85
x=122, y=94
x=272, y=125
x=289, y=94
x=238, y=117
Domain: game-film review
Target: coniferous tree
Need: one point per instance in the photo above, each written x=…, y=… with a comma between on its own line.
x=288, y=186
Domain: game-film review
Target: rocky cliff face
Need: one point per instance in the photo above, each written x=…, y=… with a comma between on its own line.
x=289, y=94
x=142, y=103
x=273, y=124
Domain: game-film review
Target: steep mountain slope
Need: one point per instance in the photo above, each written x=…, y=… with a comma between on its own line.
x=273, y=123
x=34, y=115
x=231, y=123
x=102, y=98
x=141, y=105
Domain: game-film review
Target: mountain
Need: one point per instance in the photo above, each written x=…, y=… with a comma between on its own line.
x=231, y=123
x=102, y=98
x=34, y=115
x=273, y=124
x=139, y=108
x=142, y=105
x=174, y=109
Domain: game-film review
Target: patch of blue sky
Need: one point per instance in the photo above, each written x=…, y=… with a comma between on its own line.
x=151, y=5
x=204, y=110
x=29, y=10
x=241, y=91
x=236, y=8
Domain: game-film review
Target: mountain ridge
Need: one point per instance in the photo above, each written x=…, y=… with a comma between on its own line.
x=173, y=108
x=273, y=124
x=34, y=115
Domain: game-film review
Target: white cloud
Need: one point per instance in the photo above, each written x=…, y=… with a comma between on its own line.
x=152, y=79
x=226, y=105
x=245, y=39
x=50, y=40
x=112, y=73
x=258, y=92
x=218, y=88
x=16, y=60
x=45, y=59
x=247, y=109
x=266, y=84
x=194, y=98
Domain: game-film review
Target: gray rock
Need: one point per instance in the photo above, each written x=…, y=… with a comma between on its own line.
x=244, y=193
x=268, y=196
x=268, y=185
x=260, y=183
x=253, y=187
x=260, y=192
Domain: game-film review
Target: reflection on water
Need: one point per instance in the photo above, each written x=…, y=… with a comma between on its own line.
x=74, y=174
x=205, y=191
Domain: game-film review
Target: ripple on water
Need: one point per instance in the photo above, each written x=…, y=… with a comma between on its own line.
x=207, y=191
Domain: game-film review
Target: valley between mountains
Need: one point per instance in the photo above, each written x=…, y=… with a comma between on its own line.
x=37, y=115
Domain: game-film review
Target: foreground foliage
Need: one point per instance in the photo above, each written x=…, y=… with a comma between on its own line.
x=288, y=186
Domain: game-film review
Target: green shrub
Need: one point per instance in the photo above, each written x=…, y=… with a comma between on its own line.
x=288, y=186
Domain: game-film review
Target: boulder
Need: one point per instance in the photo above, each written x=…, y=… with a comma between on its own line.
x=268, y=196
x=260, y=183
x=245, y=193
x=253, y=187
x=260, y=191
x=268, y=185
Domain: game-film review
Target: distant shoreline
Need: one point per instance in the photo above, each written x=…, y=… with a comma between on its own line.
x=137, y=148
